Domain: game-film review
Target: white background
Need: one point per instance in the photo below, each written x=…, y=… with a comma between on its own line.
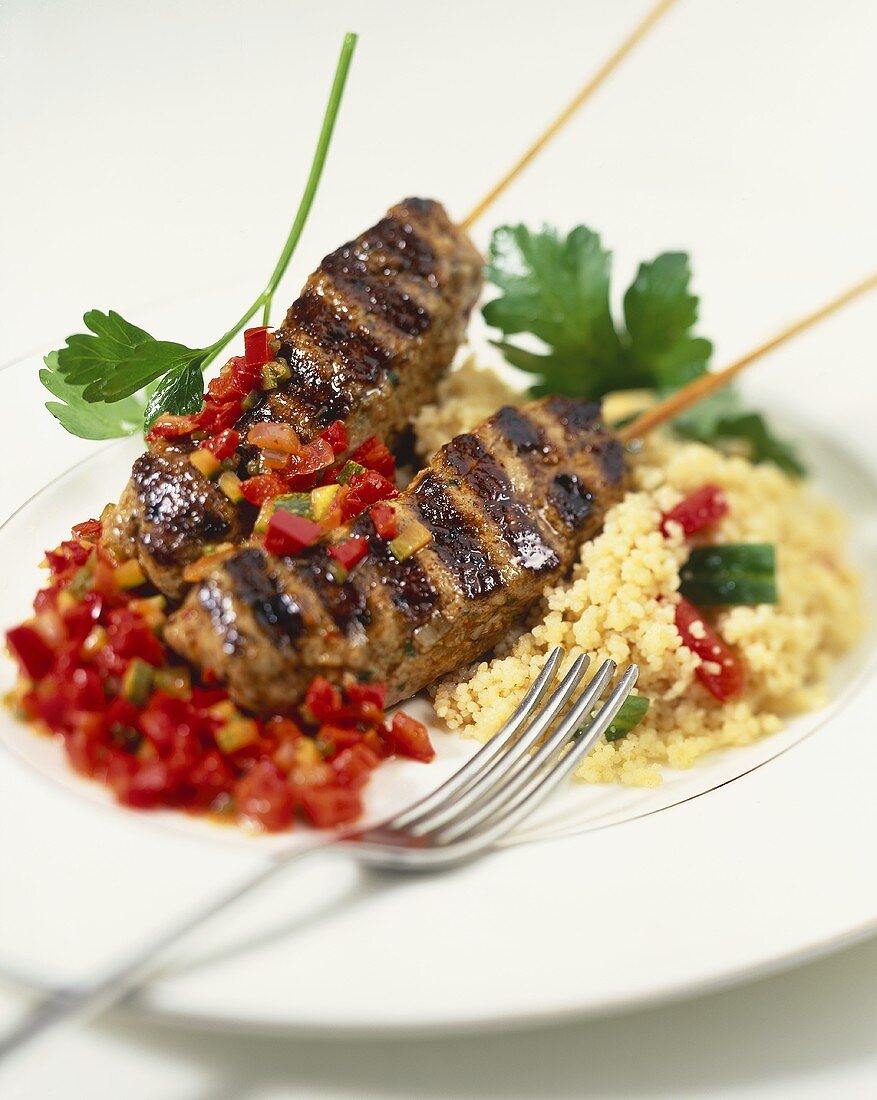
x=154, y=150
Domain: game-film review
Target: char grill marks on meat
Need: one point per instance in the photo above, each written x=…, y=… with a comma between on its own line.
x=367, y=342
x=508, y=506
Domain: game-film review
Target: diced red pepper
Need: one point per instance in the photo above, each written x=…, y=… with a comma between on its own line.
x=384, y=519
x=90, y=530
x=337, y=737
x=263, y=487
x=264, y=796
x=323, y=699
x=224, y=444
x=328, y=806
x=289, y=534
x=373, y=454
x=365, y=489
x=246, y=376
x=353, y=765
x=698, y=510
x=350, y=552
x=374, y=693
x=257, y=350
x=209, y=777
x=31, y=652
x=409, y=737
x=728, y=680
x=336, y=436
x=217, y=415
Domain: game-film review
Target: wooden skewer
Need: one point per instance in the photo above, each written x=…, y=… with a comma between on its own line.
x=707, y=384
x=608, y=66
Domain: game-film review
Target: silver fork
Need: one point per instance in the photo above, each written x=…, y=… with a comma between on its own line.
x=503, y=783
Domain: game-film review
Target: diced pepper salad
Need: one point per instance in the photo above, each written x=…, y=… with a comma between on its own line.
x=95, y=671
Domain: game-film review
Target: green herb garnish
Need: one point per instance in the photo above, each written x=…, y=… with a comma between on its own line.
x=633, y=710
x=741, y=573
x=116, y=379
x=558, y=289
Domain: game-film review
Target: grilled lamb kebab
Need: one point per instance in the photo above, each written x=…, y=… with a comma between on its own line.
x=507, y=507
x=366, y=343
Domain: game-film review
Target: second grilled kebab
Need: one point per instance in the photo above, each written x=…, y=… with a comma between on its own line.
x=508, y=507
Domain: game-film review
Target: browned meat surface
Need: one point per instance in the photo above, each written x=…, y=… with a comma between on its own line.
x=373, y=331
x=508, y=506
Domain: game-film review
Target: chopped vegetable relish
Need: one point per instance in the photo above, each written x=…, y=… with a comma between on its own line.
x=95, y=671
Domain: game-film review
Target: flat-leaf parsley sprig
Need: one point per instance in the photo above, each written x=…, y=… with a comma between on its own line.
x=116, y=379
x=557, y=288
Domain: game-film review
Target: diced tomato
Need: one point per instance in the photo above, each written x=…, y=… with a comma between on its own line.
x=289, y=534
x=264, y=796
x=336, y=436
x=384, y=519
x=262, y=488
x=373, y=454
x=224, y=444
x=409, y=737
x=723, y=682
x=257, y=349
x=328, y=806
x=365, y=489
x=33, y=655
x=323, y=699
x=350, y=552
x=353, y=765
x=698, y=510
x=373, y=693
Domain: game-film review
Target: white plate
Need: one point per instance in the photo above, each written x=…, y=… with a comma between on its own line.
x=774, y=863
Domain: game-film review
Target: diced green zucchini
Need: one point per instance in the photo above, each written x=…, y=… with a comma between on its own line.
x=129, y=574
x=137, y=682
x=632, y=712
x=348, y=470
x=230, y=484
x=414, y=537
x=736, y=573
x=173, y=681
x=297, y=503
x=236, y=734
x=321, y=500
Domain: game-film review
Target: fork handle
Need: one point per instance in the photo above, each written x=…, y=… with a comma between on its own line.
x=81, y=1003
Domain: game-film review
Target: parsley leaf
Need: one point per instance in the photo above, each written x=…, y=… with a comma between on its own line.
x=557, y=289
x=117, y=359
x=178, y=392
x=88, y=420
x=659, y=314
